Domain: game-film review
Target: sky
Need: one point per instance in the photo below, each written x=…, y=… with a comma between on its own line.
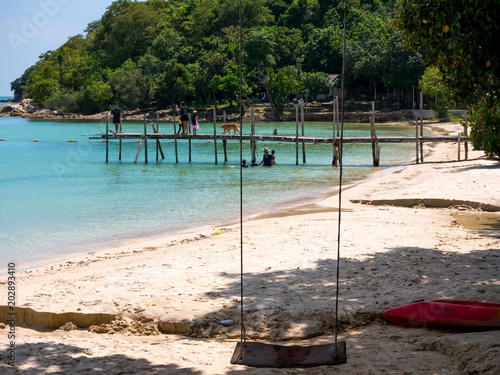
x=29, y=28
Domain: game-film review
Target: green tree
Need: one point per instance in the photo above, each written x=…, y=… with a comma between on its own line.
x=402, y=68
x=229, y=85
x=100, y=92
x=280, y=85
x=259, y=49
x=126, y=83
x=316, y=83
x=208, y=65
x=485, y=124
x=460, y=38
x=432, y=84
x=43, y=89
x=129, y=33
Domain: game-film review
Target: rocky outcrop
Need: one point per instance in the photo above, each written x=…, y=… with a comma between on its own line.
x=24, y=107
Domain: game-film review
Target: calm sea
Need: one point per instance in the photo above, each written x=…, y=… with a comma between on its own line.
x=60, y=197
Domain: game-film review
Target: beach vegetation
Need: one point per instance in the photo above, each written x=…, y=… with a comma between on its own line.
x=458, y=38
x=433, y=85
x=150, y=54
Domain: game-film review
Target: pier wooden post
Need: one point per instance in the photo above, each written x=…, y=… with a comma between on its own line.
x=421, y=126
x=253, y=145
x=107, y=139
x=120, y=146
x=334, y=114
x=224, y=141
x=155, y=130
x=175, y=141
x=303, y=130
x=338, y=115
x=189, y=140
x=466, y=132
x=138, y=150
x=215, y=135
x=459, y=140
x=334, y=141
x=375, y=145
x=145, y=140
x=297, y=134
x=416, y=138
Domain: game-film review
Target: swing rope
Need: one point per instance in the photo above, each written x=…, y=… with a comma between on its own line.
x=243, y=335
x=341, y=150
x=341, y=162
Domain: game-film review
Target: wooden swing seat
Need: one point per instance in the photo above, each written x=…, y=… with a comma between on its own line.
x=257, y=354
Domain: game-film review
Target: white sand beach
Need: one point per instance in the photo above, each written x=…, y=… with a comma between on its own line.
x=410, y=232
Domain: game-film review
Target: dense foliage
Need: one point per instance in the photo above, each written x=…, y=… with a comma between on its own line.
x=149, y=54
x=458, y=37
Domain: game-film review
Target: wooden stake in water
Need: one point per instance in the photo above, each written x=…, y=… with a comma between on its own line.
x=416, y=137
x=253, y=145
x=224, y=146
x=107, y=139
x=466, y=132
x=158, y=144
x=297, y=134
x=215, y=135
x=154, y=131
x=145, y=141
x=175, y=140
x=303, y=130
x=338, y=116
x=138, y=151
x=375, y=145
x=421, y=126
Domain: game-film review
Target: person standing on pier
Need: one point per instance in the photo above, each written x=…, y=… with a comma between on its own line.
x=117, y=116
x=194, y=119
x=184, y=118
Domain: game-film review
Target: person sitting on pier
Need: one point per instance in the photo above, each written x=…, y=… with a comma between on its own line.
x=267, y=160
x=117, y=116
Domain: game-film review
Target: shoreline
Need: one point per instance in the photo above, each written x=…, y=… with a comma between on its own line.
x=391, y=254
x=307, y=204
x=27, y=108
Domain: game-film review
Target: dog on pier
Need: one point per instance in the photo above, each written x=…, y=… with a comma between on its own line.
x=231, y=126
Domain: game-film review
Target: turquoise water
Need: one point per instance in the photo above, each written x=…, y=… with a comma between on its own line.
x=60, y=197
x=5, y=98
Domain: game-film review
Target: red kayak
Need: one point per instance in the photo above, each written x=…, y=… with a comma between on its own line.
x=443, y=312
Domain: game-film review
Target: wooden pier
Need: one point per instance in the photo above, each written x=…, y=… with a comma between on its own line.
x=155, y=136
